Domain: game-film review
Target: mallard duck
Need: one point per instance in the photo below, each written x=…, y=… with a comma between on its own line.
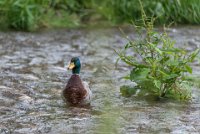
x=76, y=91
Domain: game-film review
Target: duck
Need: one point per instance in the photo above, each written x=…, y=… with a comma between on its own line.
x=76, y=92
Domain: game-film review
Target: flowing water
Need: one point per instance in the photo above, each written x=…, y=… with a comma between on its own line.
x=33, y=74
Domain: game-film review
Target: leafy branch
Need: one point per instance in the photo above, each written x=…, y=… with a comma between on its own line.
x=161, y=66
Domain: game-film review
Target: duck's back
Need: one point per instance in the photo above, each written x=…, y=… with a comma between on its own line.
x=74, y=91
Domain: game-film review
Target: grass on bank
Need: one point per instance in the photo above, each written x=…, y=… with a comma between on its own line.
x=30, y=15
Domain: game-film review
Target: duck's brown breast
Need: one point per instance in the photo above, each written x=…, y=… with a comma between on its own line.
x=74, y=91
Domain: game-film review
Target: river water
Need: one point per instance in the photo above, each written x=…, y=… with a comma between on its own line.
x=33, y=74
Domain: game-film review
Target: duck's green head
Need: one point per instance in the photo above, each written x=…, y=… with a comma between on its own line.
x=75, y=65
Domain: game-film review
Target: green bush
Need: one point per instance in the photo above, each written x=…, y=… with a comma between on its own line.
x=29, y=14
x=159, y=66
x=180, y=11
x=177, y=11
x=21, y=14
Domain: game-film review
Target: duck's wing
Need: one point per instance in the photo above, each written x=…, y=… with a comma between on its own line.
x=88, y=95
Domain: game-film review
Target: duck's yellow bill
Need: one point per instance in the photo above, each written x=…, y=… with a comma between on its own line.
x=71, y=65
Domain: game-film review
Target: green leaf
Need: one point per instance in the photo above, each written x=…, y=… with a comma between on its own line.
x=172, y=63
x=164, y=59
x=158, y=50
x=128, y=45
x=193, y=55
x=138, y=74
x=127, y=91
x=126, y=77
x=157, y=83
x=170, y=76
x=171, y=50
x=188, y=68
